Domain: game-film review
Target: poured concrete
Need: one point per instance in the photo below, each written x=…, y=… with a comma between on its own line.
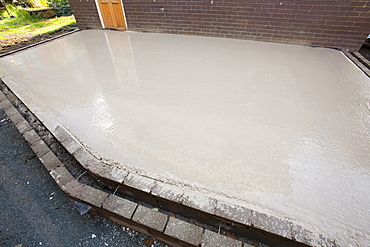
x=282, y=129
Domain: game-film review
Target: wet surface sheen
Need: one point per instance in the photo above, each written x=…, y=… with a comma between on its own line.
x=285, y=129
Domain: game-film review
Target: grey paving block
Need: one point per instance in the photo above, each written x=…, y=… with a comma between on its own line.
x=169, y=192
x=120, y=206
x=150, y=218
x=2, y=96
x=200, y=202
x=272, y=224
x=85, y=158
x=11, y=110
x=50, y=161
x=60, y=133
x=302, y=235
x=213, y=239
x=363, y=59
x=74, y=189
x=40, y=148
x=139, y=182
x=93, y=196
x=113, y=173
x=184, y=231
x=5, y=103
x=234, y=213
x=23, y=126
x=61, y=176
x=31, y=136
x=17, y=118
x=95, y=167
x=71, y=144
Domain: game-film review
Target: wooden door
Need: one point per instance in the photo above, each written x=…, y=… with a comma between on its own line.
x=112, y=14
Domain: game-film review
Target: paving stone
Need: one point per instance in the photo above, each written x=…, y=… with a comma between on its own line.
x=61, y=176
x=217, y=240
x=2, y=96
x=50, y=161
x=362, y=58
x=85, y=158
x=200, y=202
x=23, y=126
x=11, y=110
x=40, y=148
x=184, y=231
x=31, y=136
x=93, y=196
x=120, y=206
x=169, y=192
x=234, y=213
x=139, y=182
x=60, y=133
x=17, y=118
x=272, y=224
x=71, y=144
x=74, y=188
x=5, y=103
x=302, y=235
x=113, y=173
x=150, y=218
x=95, y=167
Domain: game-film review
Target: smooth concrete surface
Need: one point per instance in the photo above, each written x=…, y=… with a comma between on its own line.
x=282, y=129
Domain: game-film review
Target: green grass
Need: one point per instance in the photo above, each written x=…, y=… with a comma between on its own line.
x=34, y=27
x=22, y=28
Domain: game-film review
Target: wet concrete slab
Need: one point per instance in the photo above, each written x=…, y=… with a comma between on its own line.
x=281, y=129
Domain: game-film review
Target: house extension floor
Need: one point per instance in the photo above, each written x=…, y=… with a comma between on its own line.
x=281, y=129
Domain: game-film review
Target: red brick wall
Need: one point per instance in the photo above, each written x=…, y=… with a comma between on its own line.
x=330, y=23
x=86, y=14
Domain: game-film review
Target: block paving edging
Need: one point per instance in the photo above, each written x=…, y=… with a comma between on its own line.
x=360, y=61
x=168, y=229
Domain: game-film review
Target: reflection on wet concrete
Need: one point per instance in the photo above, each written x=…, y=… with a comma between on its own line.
x=283, y=129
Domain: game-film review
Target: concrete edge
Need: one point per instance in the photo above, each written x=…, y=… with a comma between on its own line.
x=115, y=208
x=197, y=206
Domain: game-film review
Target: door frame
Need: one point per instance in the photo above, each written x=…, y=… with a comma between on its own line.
x=101, y=16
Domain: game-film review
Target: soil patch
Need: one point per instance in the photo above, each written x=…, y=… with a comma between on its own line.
x=26, y=40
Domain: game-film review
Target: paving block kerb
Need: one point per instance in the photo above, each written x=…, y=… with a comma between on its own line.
x=184, y=231
x=150, y=218
x=40, y=148
x=2, y=96
x=23, y=126
x=212, y=239
x=120, y=206
x=5, y=103
x=16, y=118
x=50, y=161
x=31, y=136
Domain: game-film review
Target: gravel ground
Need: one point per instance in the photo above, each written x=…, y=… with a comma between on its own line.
x=36, y=212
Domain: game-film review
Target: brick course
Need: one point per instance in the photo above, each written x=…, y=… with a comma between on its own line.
x=328, y=23
x=86, y=14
